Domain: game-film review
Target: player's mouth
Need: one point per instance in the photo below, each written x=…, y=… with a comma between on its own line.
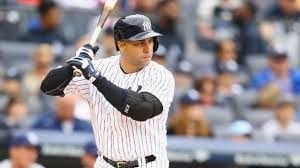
x=147, y=56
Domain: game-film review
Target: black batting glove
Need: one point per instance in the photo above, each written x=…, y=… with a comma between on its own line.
x=82, y=61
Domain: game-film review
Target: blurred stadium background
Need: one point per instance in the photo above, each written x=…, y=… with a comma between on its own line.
x=236, y=65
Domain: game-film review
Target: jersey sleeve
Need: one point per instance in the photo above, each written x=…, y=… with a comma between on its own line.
x=78, y=86
x=162, y=86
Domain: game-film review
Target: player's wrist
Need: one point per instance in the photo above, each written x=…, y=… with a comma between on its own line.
x=97, y=79
x=94, y=76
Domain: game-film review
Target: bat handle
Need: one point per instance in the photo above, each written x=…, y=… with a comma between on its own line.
x=93, y=41
x=76, y=72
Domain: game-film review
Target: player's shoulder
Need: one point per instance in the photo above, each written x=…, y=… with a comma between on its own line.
x=159, y=69
x=36, y=165
x=106, y=60
x=5, y=163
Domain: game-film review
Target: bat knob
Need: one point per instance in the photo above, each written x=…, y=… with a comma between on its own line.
x=76, y=72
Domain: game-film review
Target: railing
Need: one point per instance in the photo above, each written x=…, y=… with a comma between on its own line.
x=62, y=150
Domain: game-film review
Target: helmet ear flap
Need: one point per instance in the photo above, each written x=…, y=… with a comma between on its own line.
x=117, y=48
x=116, y=44
x=156, y=44
x=117, y=37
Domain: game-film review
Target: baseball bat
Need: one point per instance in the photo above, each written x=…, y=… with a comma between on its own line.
x=108, y=7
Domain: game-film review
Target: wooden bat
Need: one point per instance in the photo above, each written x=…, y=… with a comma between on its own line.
x=108, y=7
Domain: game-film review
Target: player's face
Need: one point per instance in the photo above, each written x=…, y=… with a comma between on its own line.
x=138, y=53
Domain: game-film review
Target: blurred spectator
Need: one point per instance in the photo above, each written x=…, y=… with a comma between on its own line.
x=160, y=55
x=284, y=19
x=283, y=123
x=43, y=59
x=189, y=119
x=15, y=115
x=183, y=80
x=34, y=3
x=63, y=119
x=90, y=155
x=248, y=31
x=226, y=54
x=216, y=9
x=217, y=24
x=7, y=2
x=70, y=51
x=205, y=9
x=206, y=36
x=183, y=76
x=280, y=73
x=45, y=29
x=267, y=31
x=167, y=24
x=11, y=86
x=228, y=86
x=283, y=10
x=146, y=7
x=85, y=4
x=107, y=45
x=240, y=131
x=268, y=97
x=226, y=51
x=223, y=12
x=206, y=86
x=223, y=18
x=23, y=152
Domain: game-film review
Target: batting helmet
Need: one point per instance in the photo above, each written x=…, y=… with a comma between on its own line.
x=134, y=28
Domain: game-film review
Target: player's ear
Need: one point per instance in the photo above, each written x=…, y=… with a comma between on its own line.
x=120, y=44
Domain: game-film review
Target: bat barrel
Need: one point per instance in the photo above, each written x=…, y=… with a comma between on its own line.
x=93, y=40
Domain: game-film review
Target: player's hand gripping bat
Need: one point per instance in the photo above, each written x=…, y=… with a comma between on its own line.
x=108, y=7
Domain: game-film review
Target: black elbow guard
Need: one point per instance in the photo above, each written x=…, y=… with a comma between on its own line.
x=141, y=106
x=57, y=80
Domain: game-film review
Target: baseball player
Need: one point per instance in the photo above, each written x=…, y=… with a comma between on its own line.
x=129, y=96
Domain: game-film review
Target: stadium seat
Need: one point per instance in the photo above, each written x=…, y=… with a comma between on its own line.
x=201, y=59
x=14, y=21
x=76, y=23
x=257, y=117
x=245, y=100
x=256, y=62
x=220, y=131
x=218, y=115
x=18, y=54
x=288, y=138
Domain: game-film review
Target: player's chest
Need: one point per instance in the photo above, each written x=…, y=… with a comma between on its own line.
x=133, y=81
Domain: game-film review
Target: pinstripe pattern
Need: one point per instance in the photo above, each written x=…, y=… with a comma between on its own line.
x=117, y=136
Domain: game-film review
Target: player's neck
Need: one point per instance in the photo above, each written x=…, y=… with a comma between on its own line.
x=128, y=68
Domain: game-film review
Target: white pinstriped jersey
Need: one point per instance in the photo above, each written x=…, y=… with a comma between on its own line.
x=121, y=138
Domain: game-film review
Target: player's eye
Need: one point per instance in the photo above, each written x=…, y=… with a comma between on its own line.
x=151, y=40
x=140, y=43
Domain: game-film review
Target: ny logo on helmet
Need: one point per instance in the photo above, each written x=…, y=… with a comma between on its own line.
x=147, y=25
